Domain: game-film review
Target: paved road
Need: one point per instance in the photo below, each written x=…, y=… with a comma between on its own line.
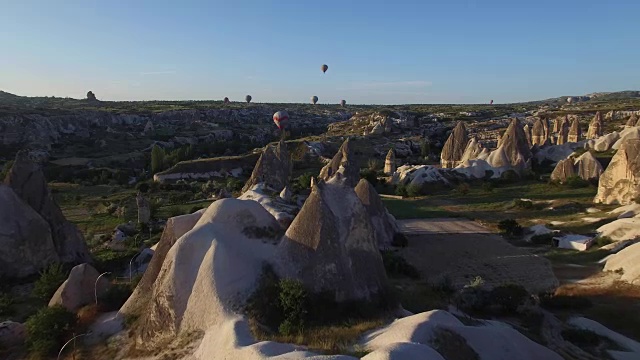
x=441, y=226
x=461, y=249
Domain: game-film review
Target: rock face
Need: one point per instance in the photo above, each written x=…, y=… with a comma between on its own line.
x=527, y=133
x=149, y=128
x=144, y=210
x=208, y=274
x=454, y=147
x=515, y=146
x=343, y=162
x=563, y=131
x=79, y=288
x=563, y=170
x=575, y=133
x=589, y=168
x=27, y=181
x=12, y=333
x=620, y=182
x=539, y=134
x=173, y=230
x=384, y=224
x=628, y=259
x=273, y=168
x=390, y=162
x=473, y=150
x=595, y=128
x=633, y=120
x=331, y=247
x=25, y=239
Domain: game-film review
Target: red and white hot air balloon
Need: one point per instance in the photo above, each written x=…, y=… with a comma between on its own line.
x=281, y=119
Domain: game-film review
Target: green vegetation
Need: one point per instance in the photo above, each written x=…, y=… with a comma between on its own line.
x=396, y=266
x=7, y=303
x=48, y=329
x=418, y=208
x=115, y=296
x=50, y=280
x=510, y=227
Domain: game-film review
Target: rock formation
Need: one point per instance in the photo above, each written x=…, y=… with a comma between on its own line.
x=27, y=180
x=343, y=162
x=563, y=170
x=273, y=168
x=149, y=128
x=176, y=227
x=539, y=134
x=620, y=182
x=527, y=133
x=12, y=333
x=563, y=131
x=80, y=288
x=144, y=210
x=628, y=259
x=331, y=246
x=286, y=194
x=390, y=162
x=595, y=127
x=25, y=238
x=473, y=150
x=575, y=133
x=515, y=146
x=633, y=120
x=589, y=168
x=384, y=224
x=454, y=147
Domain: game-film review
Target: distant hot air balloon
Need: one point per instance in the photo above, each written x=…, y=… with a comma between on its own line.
x=343, y=103
x=314, y=99
x=281, y=118
x=248, y=98
x=491, y=102
x=226, y=100
x=324, y=68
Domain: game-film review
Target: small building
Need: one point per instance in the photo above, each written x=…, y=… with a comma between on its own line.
x=573, y=242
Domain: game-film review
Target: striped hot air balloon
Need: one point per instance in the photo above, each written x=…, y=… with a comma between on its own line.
x=281, y=119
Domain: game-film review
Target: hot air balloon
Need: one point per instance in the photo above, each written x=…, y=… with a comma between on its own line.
x=491, y=102
x=281, y=118
x=248, y=98
x=314, y=99
x=343, y=103
x=324, y=68
x=226, y=100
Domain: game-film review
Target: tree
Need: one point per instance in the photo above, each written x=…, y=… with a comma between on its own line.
x=157, y=159
x=425, y=148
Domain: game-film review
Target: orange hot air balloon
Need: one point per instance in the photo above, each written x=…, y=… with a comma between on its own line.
x=324, y=68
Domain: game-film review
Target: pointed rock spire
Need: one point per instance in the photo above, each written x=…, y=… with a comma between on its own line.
x=454, y=147
x=575, y=132
x=273, y=168
x=390, y=162
x=344, y=161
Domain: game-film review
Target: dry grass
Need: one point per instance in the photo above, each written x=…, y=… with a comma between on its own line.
x=334, y=339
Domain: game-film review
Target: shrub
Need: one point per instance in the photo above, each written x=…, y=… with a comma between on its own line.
x=508, y=297
x=374, y=165
x=50, y=280
x=263, y=305
x=399, y=240
x=564, y=302
x=143, y=187
x=510, y=227
x=463, y=189
x=304, y=180
x=576, y=182
x=509, y=176
x=542, y=239
x=487, y=186
x=401, y=190
x=370, y=175
x=6, y=304
x=396, y=266
x=603, y=240
x=293, y=301
x=114, y=297
x=523, y=204
x=175, y=211
x=414, y=190
x=48, y=329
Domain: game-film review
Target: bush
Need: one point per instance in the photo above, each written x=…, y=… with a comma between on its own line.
x=114, y=297
x=487, y=186
x=508, y=297
x=509, y=177
x=304, y=181
x=576, y=182
x=370, y=175
x=523, y=204
x=396, y=266
x=6, y=305
x=48, y=329
x=401, y=190
x=399, y=240
x=463, y=188
x=603, y=240
x=50, y=280
x=293, y=301
x=564, y=302
x=510, y=227
x=262, y=305
x=143, y=187
x=414, y=190
x=542, y=239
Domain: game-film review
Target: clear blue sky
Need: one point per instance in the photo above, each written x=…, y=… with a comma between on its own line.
x=391, y=52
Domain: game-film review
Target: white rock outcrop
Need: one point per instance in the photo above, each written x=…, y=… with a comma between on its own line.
x=620, y=182
x=80, y=288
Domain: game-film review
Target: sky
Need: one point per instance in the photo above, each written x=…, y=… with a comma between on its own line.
x=378, y=52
